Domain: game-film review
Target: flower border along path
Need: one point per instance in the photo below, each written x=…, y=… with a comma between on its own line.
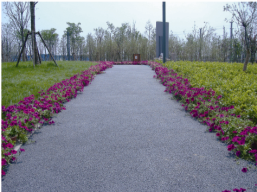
x=201, y=103
x=29, y=114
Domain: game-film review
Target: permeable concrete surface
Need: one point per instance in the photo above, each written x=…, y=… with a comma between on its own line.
x=124, y=133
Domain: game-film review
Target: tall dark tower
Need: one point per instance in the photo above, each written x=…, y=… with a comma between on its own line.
x=164, y=26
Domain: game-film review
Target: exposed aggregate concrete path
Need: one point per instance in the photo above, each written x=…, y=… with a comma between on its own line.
x=124, y=133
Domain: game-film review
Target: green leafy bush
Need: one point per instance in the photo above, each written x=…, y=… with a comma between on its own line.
x=237, y=88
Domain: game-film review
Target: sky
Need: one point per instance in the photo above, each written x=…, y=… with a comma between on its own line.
x=181, y=15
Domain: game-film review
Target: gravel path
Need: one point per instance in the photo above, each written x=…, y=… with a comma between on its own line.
x=124, y=133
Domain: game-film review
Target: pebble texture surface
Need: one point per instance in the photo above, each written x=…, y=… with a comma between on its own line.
x=124, y=133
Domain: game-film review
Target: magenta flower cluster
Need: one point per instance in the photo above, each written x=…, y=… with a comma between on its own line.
x=24, y=116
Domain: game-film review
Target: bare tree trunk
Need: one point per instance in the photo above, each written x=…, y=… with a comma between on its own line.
x=22, y=38
x=34, y=43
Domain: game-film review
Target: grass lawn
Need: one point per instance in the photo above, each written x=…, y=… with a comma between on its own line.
x=25, y=80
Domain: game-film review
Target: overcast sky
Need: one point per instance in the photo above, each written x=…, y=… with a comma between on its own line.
x=180, y=15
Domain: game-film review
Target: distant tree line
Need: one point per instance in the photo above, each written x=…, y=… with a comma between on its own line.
x=121, y=42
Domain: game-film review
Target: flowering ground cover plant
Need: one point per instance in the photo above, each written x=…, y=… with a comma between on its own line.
x=238, y=88
x=205, y=104
x=20, y=119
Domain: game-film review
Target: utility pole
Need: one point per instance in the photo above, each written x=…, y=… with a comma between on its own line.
x=231, y=41
x=164, y=32
x=200, y=51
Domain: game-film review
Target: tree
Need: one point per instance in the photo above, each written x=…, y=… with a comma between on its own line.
x=90, y=46
x=50, y=38
x=148, y=29
x=111, y=30
x=99, y=33
x=253, y=40
x=80, y=46
x=7, y=42
x=244, y=14
x=120, y=39
x=33, y=30
x=253, y=45
x=18, y=14
x=74, y=33
x=62, y=47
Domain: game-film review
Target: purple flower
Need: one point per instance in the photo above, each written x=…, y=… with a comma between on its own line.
x=238, y=116
x=235, y=139
x=231, y=147
x=224, y=138
x=226, y=191
x=9, y=145
x=3, y=173
x=22, y=149
x=7, y=154
x=4, y=162
x=239, y=190
x=235, y=132
x=217, y=134
x=244, y=132
x=13, y=151
x=238, y=153
x=242, y=141
x=253, y=151
x=244, y=170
